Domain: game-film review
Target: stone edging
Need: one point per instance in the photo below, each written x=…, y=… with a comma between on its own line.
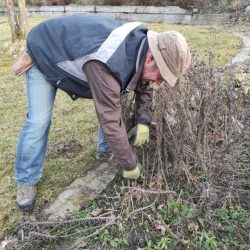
x=168, y=14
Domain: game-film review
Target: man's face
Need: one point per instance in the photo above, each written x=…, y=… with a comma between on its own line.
x=150, y=70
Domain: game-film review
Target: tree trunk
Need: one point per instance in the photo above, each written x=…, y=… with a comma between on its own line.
x=17, y=20
x=12, y=19
x=22, y=19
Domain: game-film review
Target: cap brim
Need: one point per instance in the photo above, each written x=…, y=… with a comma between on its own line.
x=166, y=74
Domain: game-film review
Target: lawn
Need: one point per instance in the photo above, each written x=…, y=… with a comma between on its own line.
x=74, y=124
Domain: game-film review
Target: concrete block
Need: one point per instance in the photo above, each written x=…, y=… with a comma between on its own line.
x=248, y=10
x=151, y=18
x=195, y=10
x=115, y=9
x=82, y=191
x=141, y=9
x=106, y=14
x=2, y=11
x=46, y=8
x=169, y=14
x=70, y=8
x=178, y=19
x=159, y=10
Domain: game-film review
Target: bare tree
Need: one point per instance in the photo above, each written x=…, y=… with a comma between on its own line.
x=22, y=18
x=17, y=19
x=12, y=19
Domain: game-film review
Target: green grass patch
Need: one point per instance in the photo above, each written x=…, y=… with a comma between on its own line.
x=71, y=122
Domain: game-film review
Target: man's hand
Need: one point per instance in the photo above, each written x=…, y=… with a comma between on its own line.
x=141, y=133
x=132, y=174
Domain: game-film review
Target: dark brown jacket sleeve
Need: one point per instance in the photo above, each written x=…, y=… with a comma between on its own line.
x=143, y=102
x=106, y=94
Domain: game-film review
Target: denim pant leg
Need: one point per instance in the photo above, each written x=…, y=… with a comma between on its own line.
x=102, y=145
x=33, y=137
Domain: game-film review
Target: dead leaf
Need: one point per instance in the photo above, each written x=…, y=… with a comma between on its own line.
x=32, y=218
x=80, y=244
x=181, y=165
x=219, y=137
x=102, y=212
x=162, y=228
x=159, y=226
x=3, y=244
x=161, y=206
x=96, y=212
x=237, y=125
x=157, y=181
x=106, y=213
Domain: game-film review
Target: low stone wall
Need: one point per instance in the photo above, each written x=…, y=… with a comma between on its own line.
x=168, y=14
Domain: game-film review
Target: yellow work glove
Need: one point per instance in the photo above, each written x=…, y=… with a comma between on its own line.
x=141, y=133
x=132, y=174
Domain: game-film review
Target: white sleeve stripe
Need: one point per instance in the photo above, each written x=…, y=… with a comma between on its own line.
x=116, y=37
x=103, y=54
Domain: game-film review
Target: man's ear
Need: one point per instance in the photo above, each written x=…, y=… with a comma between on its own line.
x=149, y=56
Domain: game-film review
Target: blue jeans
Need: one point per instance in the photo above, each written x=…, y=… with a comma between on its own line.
x=31, y=146
x=102, y=145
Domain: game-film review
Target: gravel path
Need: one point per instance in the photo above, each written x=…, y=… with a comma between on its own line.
x=244, y=55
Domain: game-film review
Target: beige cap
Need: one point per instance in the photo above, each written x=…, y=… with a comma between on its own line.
x=171, y=53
